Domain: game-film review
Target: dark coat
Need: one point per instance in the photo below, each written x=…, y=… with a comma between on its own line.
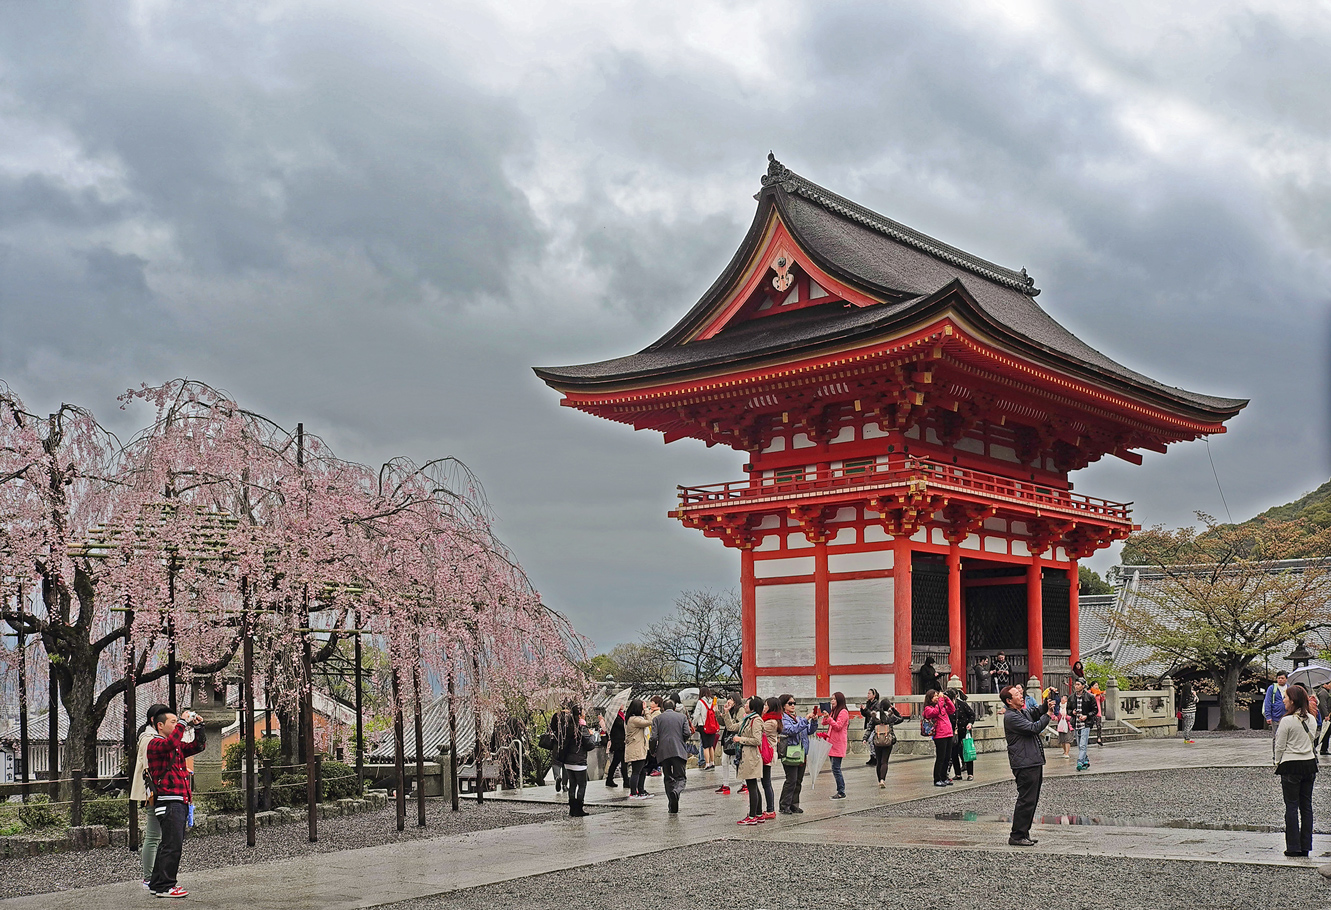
x=617, y=735
x=965, y=716
x=1023, y=728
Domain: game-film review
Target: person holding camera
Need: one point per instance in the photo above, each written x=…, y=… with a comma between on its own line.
x=170, y=780
x=1025, y=754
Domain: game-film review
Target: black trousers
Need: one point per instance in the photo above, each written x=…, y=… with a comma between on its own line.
x=767, y=788
x=672, y=769
x=958, y=763
x=638, y=777
x=790, y=790
x=576, y=782
x=617, y=763
x=755, y=797
x=1028, y=797
x=167, y=865
x=1297, y=789
x=942, y=755
x=884, y=755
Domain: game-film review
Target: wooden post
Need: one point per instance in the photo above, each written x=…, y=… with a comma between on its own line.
x=955, y=626
x=420, y=749
x=1034, y=620
x=25, y=756
x=267, y=786
x=360, y=714
x=171, y=681
x=476, y=717
x=311, y=782
x=822, y=647
x=901, y=644
x=452, y=737
x=399, y=738
x=53, y=734
x=248, y=716
x=131, y=712
x=748, y=617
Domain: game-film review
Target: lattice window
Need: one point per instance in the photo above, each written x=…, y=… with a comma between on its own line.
x=1056, y=594
x=996, y=617
x=928, y=603
x=857, y=466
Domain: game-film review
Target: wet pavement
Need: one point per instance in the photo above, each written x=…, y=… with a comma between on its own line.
x=374, y=876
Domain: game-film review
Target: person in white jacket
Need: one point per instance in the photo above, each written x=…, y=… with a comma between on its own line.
x=139, y=792
x=1296, y=763
x=706, y=720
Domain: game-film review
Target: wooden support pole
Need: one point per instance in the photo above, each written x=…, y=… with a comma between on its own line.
x=901, y=631
x=955, y=625
x=360, y=714
x=1074, y=613
x=476, y=717
x=311, y=779
x=452, y=736
x=822, y=646
x=248, y=716
x=25, y=754
x=131, y=712
x=420, y=747
x=748, y=623
x=1034, y=621
x=53, y=734
x=399, y=738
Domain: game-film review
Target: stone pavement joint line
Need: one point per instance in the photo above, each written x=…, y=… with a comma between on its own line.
x=374, y=876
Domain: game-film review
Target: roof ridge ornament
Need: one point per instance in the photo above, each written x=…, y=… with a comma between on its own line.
x=780, y=175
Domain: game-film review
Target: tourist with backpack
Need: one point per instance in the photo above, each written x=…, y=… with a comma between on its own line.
x=936, y=724
x=866, y=710
x=751, y=743
x=883, y=718
x=837, y=728
x=172, y=789
x=794, y=752
x=707, y=724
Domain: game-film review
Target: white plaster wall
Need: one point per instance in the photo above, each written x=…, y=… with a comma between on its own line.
x=783, y=625
x=860, y=621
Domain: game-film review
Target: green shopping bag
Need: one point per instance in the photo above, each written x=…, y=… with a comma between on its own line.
x=968, y=748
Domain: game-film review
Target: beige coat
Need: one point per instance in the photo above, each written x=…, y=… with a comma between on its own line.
x=636, y=731
x=771, y=729
x=750, y=758
x=138, y=788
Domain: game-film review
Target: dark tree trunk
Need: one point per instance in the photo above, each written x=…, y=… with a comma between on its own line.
x=1228, y=681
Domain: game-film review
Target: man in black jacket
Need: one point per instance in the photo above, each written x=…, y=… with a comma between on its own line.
x=617, y=732
x=1082, y=712
x=1025, y=753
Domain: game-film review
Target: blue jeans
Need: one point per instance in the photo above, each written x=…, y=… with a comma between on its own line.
x=1083, y=740
x=836, y=775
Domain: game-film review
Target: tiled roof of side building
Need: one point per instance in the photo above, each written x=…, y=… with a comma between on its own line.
x=912, y=271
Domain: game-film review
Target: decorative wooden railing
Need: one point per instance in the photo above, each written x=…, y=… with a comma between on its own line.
x=912, y=476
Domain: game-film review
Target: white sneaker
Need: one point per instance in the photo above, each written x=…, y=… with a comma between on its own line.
x=177, y=891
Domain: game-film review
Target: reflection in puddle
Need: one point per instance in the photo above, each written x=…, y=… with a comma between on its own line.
x=1107, y=822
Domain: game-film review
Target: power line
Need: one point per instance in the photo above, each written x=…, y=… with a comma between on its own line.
x=1207, y=440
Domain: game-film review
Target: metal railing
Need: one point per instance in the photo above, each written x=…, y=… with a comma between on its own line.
x=912, y=475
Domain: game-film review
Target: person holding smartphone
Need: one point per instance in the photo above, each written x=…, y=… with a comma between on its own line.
x=795, y=731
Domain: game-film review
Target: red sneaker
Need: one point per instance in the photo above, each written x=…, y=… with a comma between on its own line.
x=767, y=816
x=746, y=821
x=177, y=891
x=744, y=788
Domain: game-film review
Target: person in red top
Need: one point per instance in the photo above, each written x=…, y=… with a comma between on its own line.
x=837, y=730
x=171, y=793
x=938, y=710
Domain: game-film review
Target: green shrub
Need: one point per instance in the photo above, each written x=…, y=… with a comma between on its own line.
x=38, y=814
x=228, y=799
x=289, y=790
x=266, y=749
x=339, y=781
x=99, y=810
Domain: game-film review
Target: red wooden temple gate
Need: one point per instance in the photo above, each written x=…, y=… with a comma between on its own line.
x=910, y=418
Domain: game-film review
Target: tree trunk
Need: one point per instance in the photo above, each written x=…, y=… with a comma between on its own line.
x=1229, y=686
x=286, y=722
x=79, y=699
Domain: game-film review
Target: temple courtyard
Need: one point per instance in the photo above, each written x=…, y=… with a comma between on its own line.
x=1155, y=823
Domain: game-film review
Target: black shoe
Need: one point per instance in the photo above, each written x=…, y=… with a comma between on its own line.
x=873, y=761
x=1296, y=852
x=797, y=810
x=611, y=783
x=1021, y=842
x=787, y=811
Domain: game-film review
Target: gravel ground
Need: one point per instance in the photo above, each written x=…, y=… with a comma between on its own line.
x=1246, y=796
x=800, y=876
x=63, y=871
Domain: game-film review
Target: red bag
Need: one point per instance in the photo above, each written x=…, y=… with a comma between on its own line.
x=709, y=724
x=764, y=747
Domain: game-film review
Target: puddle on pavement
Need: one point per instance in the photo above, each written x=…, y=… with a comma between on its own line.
x=1100, y=821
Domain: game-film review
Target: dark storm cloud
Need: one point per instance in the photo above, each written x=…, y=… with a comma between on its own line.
x=374, y=219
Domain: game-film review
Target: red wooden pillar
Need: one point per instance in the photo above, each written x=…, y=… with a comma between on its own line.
x=901, y=671
x=1034, y=621
x=1074, y=614
x=956, y=630
x=747, y=623
x=822, y=648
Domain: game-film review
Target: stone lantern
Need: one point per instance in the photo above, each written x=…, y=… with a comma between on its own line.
x=1300, y=656
x=208, y=700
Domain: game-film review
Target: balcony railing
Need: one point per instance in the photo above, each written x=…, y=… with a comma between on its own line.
x=913, y=475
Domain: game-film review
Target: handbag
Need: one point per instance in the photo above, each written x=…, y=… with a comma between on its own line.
x=926, y=727
x=547, y=740
x=968, y=748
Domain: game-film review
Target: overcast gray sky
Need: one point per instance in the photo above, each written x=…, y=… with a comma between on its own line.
x=375, y=217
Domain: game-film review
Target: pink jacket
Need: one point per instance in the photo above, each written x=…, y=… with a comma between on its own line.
x=836, y=734
x=940, y=712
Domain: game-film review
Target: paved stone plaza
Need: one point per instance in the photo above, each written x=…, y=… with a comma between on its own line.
x=638, y=856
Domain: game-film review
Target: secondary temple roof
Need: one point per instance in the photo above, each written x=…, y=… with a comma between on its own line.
x=904, y=276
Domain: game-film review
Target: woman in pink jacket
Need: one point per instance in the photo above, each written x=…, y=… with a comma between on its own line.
x=836, y=737
x=938, y=710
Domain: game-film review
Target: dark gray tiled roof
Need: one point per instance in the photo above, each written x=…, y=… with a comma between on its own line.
x=890, y=259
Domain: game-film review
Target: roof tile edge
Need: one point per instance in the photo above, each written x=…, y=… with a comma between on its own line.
x=780, y=175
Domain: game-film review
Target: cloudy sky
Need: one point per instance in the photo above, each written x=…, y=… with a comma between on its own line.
x=375, y=217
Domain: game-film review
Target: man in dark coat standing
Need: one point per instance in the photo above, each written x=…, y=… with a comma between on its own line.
x=670, y=731
x=617, y=736
x=1025, y=753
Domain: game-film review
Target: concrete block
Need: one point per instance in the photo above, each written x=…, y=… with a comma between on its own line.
x=266, y=819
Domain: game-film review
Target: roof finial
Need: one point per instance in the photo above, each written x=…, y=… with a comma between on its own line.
x=776, y=171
